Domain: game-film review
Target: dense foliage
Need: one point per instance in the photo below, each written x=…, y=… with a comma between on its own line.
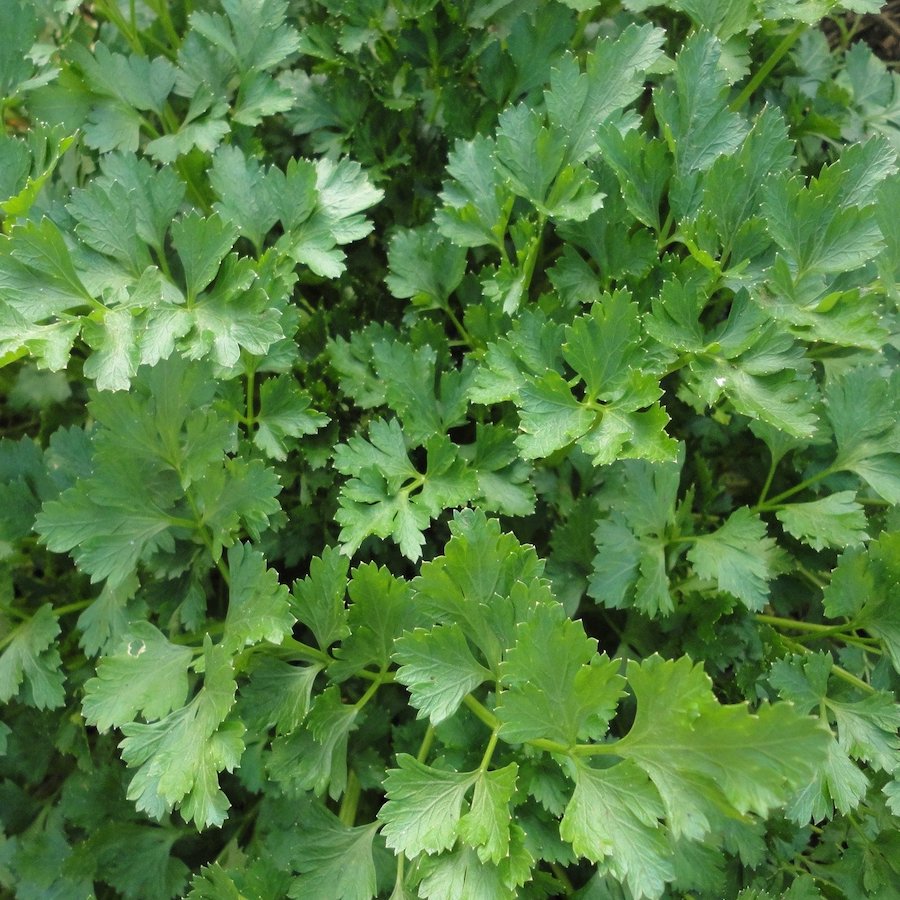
x=450, y=450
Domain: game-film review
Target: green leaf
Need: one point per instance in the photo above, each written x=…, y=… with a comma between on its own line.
x=738, y=556
x=253, y=33
x=732, y=189
x=474, y=213
x=381, y=609
x=423, y=806
x=486, y=825
x=107, y=222
x=438, y=668
x=867, y=729
x=388, y=497
x=693, y=113
x=462, y=873
x=41, y=248
x=30, y=663
x=237, y=314
x=619, y=416
x=344, y=190
x=701, y=755
x=137, y=82
x=864, y=410
x=153, y=444
x=146, y=675
x=615, y=72
x=115, y=358
x=278, y=694
x=830, y=226
x=424, y=267
x=179, y=757
x=137, y=860
x=19, y=23
x=556, y=685
x=630, y=566
x=284, y=413
x=201, y=245
x=425, y=411
x=335, y=861
x=614, y=818
x=759, y=367
x=834, y=521
x=154, y=195
x=247, y=199
x=258, y=607
x=319, y=597
x=504, y=480
x=477, y=583
x=322, y=763
x=643, y=168
x=530, y=155
x=863, y=587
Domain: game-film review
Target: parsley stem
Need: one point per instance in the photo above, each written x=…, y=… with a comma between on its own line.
x=767, y=484
x=109, y=10
x=251, y=389
x=840, y=671
x=560, y=874
x=398, y=881
x=796, y=625
x=76, y=606
x=350, y=800
x=370, y=692
x=489, y=752
x=458, y=325
x=162, y=12
x=304, y=651
x=807, y=482
x=762, y=73
x=14, y=613
x=489, y=719
x=481, y=712
x=425, y=746
x=814, y=631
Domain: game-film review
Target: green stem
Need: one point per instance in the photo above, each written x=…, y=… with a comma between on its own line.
x=795, y=625
x=425, y=746
x=489, y=719
x=808, y=482
x=560, y=874
x=76, y=606
x=350, y=801
x=773, y=465
x=161, y=8
x=850, y=678
x=762, y=73
x=398, y=881
x=109, y=10
x=534, y=252
x=371, y=690
x=481, y=712
x=251, y=390
x=841, y=672
x=14, y=613
x=304, y=651
x=488, y=752
x=160, y=254
x=458, y=325
x=665, y=233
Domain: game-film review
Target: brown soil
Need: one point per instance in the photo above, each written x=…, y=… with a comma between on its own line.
x=880, y=31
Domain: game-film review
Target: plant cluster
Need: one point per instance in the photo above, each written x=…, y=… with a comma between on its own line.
x=450, y=449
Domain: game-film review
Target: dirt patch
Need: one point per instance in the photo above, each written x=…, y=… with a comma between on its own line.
x=881, y=31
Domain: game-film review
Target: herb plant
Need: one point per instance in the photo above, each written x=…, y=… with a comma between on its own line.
x=451, y=449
